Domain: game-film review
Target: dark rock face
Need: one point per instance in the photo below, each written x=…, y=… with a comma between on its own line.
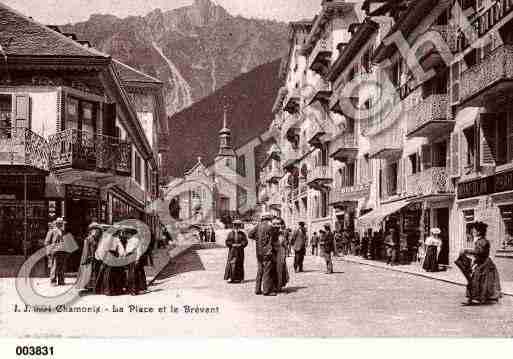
x=194, y=50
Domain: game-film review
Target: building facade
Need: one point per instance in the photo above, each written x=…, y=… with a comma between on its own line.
x=429, y=146
x=78, y=135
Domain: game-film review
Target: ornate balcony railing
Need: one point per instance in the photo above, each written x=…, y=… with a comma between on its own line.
x=73, y=149
x=432, y=181
x=344, y=194
x=429, y=117
x=21, y=146
x=388, y=143
x=344, y=147
x=494, y=74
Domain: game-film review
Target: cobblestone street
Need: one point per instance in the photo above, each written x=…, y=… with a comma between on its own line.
x=356, y=300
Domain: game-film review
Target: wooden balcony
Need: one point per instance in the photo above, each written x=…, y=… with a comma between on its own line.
x=488, y=80
x=345, y=147
x=449, y=34
x=434, y=181
x=386, y=144
x=341, y=195
x=319, y=177
x=22, y=147
x=321, y=92
x=320, y=57
x=429, y=117
x=98, y=154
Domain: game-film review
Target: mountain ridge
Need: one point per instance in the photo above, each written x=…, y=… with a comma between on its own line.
x=194, y=50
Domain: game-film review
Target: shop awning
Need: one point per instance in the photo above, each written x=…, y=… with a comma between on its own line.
x=373, y=219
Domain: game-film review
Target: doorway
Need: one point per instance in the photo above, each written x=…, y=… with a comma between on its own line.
x=442, y=220
x=79, y=214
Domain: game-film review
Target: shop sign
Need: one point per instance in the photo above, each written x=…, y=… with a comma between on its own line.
x=504, y=181
x=479, y=187
x=82, y=192
x=500, y=182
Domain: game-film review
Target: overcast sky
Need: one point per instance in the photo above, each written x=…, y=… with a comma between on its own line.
x=65, y=11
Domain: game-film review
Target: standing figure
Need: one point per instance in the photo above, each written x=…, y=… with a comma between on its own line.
x=213, y=233
x=482, y=275
x=236, y=242
x=111, y=276
x=282, y=273
x=315, y=244
x=265, y=236
x=54, y=242
x=365, y=245
x=327, y=246
x=299, y=239
x=136, y=277
x=390, y=245
x=345, y=242
x=88, y=263
x=433, y=245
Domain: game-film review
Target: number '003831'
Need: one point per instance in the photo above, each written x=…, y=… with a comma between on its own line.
x=29, y=350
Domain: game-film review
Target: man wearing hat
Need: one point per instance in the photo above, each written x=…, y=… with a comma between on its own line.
x=265, y=237
x=299, y=239
x=327, y=245
x=57, y=258
x=236, y=242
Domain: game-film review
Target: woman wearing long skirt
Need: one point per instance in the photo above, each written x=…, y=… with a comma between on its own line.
x=88, y=262
x=111, y=276
x=136, y=277
x=282, y=273
x=236, y=242
x=482, y=275
x=433, y=245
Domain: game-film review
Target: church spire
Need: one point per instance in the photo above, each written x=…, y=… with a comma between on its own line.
x=225, y=138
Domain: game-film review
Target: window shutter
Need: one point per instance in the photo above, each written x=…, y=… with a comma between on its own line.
x=22, y=111
x=426, y=157
x=455, y=154
x=488, y=139
x=502, y=138
x=109, y=119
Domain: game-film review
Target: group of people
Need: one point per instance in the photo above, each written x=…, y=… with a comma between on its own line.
x=112, y=261
x=207, y=235
x=273, y=244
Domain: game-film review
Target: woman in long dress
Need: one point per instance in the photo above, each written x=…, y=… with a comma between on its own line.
x=282, y=273
x=236, y=242
x=136, y=277
x=88, y=262
x=482, y=275
x=433, y=244
x=111, y=276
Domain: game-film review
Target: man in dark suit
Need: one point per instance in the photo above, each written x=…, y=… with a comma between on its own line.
x=299, y=240
x=265, y=237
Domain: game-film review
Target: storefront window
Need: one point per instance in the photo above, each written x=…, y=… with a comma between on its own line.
x=507, y=218
x=469, y=219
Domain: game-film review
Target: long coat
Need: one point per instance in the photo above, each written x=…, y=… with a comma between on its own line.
x=236, y=242
x=299, y=240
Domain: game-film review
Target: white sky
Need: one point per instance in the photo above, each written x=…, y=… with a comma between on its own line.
x=65, y=11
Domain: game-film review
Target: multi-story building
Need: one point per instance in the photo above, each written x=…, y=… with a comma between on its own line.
x=481, y=146
x=78, y=135
x=305, y=123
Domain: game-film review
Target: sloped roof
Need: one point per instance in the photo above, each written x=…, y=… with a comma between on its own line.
x=129, y=74
x=23, y=36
